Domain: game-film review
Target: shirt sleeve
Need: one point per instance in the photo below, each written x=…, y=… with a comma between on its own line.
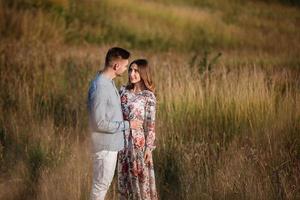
x=150, y=122
x=99, y=110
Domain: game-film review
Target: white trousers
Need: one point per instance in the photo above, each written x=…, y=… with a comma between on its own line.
x=104, y=169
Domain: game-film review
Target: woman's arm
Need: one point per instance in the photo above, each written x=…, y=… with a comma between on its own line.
x=150, y=122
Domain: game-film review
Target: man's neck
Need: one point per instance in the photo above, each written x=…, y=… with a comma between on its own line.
x=109, y=73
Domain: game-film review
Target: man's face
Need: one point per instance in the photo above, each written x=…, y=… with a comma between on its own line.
x=121, y=66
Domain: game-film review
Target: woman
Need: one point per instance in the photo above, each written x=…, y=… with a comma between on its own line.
x=135, y=165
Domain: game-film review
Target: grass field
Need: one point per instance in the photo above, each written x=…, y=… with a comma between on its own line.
x=228, y=89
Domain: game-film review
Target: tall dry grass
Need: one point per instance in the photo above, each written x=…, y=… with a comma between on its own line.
x=231, y=132
x=157, y=25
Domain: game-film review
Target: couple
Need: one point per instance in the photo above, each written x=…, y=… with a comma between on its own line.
x=122, y=124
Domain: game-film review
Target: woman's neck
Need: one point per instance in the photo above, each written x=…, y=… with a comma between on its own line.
x=137, y=87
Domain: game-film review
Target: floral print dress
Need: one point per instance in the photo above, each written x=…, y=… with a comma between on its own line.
x=136, y=180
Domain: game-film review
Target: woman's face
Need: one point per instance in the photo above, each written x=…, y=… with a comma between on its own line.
x=134, y=75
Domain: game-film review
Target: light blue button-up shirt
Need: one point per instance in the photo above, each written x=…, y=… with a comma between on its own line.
x=105, y=115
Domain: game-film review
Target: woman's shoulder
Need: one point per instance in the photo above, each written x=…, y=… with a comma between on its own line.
x=123, y=90
x=149, y=94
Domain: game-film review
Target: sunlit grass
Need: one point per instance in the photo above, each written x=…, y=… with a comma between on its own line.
x=230, y=132
x=224, y=133
x=157, y=25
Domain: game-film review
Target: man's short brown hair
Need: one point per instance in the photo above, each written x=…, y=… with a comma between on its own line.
x=116, y=53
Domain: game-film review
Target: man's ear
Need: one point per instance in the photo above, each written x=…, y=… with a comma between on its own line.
x=116, y=66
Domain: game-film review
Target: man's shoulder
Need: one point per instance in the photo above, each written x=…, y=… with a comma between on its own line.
x=98, y=84
x=101, y=81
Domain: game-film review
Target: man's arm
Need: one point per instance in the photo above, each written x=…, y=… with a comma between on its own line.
x=99, y=108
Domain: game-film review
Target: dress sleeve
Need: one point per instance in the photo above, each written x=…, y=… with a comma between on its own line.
x=150, y=122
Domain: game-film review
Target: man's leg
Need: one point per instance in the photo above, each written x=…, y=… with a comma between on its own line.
x=104, y=168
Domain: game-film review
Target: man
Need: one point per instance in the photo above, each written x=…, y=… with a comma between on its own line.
x=106, y=121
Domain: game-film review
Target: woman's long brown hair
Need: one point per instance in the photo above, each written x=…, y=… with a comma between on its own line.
x=145, y=74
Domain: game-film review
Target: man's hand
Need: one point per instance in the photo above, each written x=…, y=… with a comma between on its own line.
x=135, y=124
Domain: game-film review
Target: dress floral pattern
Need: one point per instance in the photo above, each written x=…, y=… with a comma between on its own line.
x=136, y=180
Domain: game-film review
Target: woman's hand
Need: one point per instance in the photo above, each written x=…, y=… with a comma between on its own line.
x=147, y=156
